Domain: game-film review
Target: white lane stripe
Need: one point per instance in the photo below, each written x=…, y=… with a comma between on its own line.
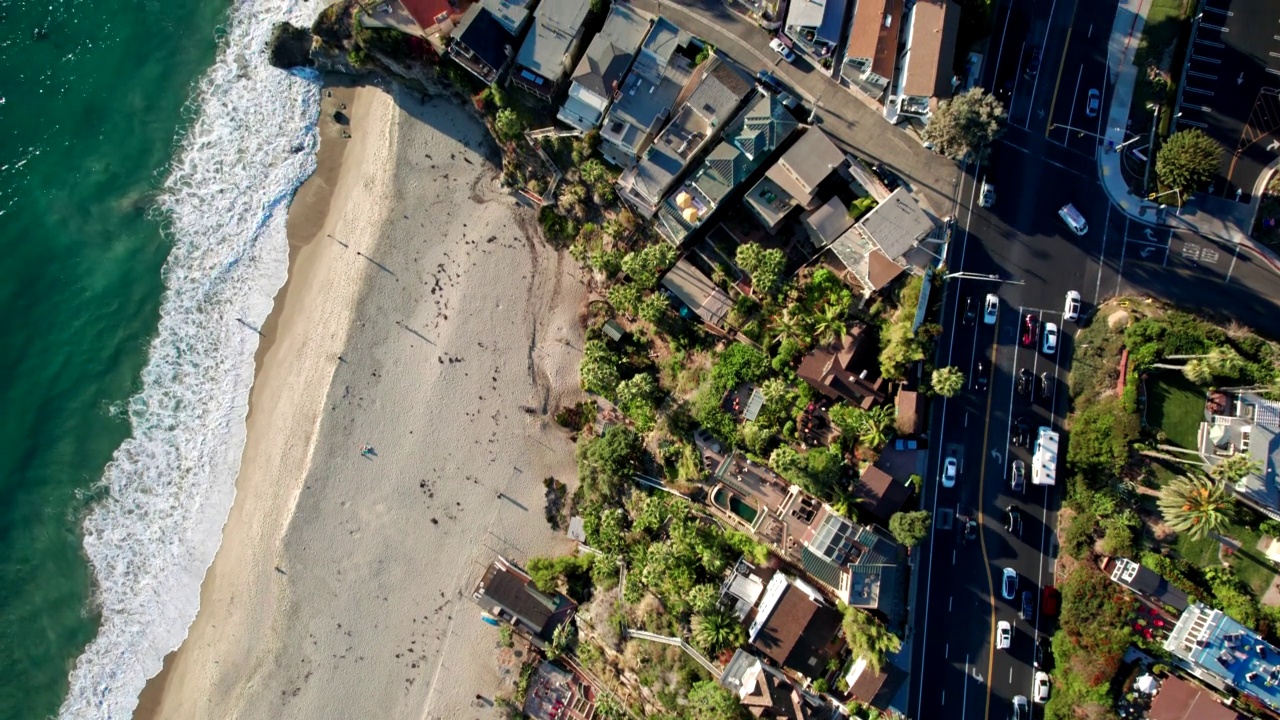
x=1199, y=91
x=1213, y=27
x=1184, y=121
x=1207, y=76
x=1206, y=59
x=1211, y=43
x=1273, y=71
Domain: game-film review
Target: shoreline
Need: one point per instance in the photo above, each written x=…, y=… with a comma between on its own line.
x=388, y=329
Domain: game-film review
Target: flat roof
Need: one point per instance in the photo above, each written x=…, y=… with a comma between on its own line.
x=697, y=291
x=555, y=25
x=931, y=57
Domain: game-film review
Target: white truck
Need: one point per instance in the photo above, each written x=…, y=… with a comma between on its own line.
x=1044, y=459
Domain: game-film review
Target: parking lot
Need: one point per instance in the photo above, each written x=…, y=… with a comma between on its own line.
x=1232, y=81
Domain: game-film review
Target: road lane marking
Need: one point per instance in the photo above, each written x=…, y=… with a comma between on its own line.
x=1123, y=247
x=1102, y=255
x=1053, y=102
x=946, y=652
x=1219, y=28
x=953, y=556
x=1206, y=59
x=1198, y=91
x=1211, y=43
x=1184, y=121
x=982, y=536
x=1075, y=95
x=1010, y=674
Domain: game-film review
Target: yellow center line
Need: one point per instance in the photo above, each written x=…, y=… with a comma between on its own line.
x=982, y=536
x=1061, y=64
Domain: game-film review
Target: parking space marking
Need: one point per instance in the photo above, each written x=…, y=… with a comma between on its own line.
x=1206, y=59
x=1198, y=91
x=1214, y=27
x=1210, y=43
x=1207, y=76
x=1272, y=71
x=1185, y=121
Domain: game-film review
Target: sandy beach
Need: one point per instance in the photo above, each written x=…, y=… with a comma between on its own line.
x=425, y=319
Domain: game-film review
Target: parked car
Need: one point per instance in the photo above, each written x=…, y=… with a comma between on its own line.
x=1024, y=381
x=1046, y=386
x=788, y=100
x=1028, y=609
x=970, y=528
x=991, y=308
x=1030, y=330
x=1042, y=651
x=950, y=468
x=1050, y=345
x=1021, y=708
x=1049, y=601
x=980, y=377
x=1094, y=103
x=970, y=311
x=1009, y=584
x=1040, y=688
x=1018, y=476
x=1004, y=635
x=1071, y=310
x=887, y=176
x=1031, y=60
x=1013, y=521
x=987, y=195
x=766, y=80
x=779, y=47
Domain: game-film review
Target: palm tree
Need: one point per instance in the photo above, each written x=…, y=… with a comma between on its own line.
x=1197, y=506
x=787, y=325
x=716, y=630
x=1235, y=468
x=947, y=381
x=876, y=423
x=830, y=325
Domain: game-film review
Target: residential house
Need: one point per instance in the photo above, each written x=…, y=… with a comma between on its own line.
x=927, y=62
x=1248, y=424
x=599, y=74
x=767, y=693
x=827, y=222
x=1146, y=583
x=712, y=96
x=876, y=689
x=794, y=627
x=695, y=290
x=861, y=564
x=792, y=182
x=881, y=494
x=815, y=26
x=486, y=38
x=435, y=17
x=847, y=371
x=508, y=593
x=881, y=246
x=649, y=92
x=1225, y=654
x=909, y=419
x=550, y=47
x=1180, y=700
x=872, y=53
x=748, y=141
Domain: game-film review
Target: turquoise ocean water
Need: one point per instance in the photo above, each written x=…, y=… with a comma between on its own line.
x=146, y=159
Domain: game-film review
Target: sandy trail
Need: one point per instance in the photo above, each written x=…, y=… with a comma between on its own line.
x=423, y=320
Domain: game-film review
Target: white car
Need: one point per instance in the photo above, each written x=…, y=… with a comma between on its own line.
x=987, y=196
x=787, y=53
x=1040, y=688
x=1071, y=311
x=950, y=468
x=1050, y=343
x=1004, y=635
x=990, y=309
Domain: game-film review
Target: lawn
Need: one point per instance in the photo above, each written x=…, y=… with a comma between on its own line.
x=1165, y=21
x=1176, y=406
x=1249, y=562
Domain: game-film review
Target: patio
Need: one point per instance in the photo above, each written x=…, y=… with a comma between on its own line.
x=556, y=694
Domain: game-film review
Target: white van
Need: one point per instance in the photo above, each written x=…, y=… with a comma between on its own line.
x=1074, y=220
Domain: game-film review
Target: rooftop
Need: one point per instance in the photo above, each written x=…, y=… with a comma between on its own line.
x=1180, y=700
x=1249, y=424
x=881, y=494
x=1222, y=651
x=767, y=693
x=824, y=17
x=1147, y=583
x=486, y=34
x=805, y=164
x=506, y=592
x=845, y=371
x=661, y=69
x=555, y=25
x=511, y=15
x=697, y=291
x=874, y=34
x=609, y=55
x=794, y=628
x=932, y=49
x=897, y=224
x=827, y=222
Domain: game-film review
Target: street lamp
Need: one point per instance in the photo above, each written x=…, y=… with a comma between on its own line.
x=981, y=276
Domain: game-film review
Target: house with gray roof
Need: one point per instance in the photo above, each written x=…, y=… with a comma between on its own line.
x=711, y=97
x=507, y=593
x=815, y=26
x=549, y=49
x=748, y=142
x=599, y=75
x=792, y=182
x=877, y=248
x=1245, y=424
x=485, y=40
x=693, y=288
x=643, y=104
x=766, y=693
x=861, y=564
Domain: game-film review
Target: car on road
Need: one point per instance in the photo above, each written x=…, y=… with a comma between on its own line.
x=768, y=81
x=1024, y=381
x=887, y=176
x=1071, y=311
x=987, y=195
x=787, y=53
x=1042, y=651
x=1074, y=220
x=1093, y=103
x=1021, y=708
x=788, y=100
x=990, y=309
x=1022, y=433
x=980, y=377
x=970, y=311
x=1004, y=635
x=1009, y=584
x=1031, y=59
x=1013, y=521
x=1030, y=330
x=1046, y=386
x=1040, y=688
x=970, y=528
x=1050, y=345
x=1018, y=476
x=1028, y=609
x=950, y=468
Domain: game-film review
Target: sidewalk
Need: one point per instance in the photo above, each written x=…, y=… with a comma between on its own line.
x=1204, y=215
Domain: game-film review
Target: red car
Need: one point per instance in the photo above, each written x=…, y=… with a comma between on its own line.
x=1030, y=331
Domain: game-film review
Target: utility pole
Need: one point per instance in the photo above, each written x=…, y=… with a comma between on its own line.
x=1151, y=146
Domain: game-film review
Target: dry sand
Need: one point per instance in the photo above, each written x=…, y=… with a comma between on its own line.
x=424, y=317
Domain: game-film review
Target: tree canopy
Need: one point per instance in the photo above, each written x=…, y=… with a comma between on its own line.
x=1188, y=160
x=764, y=266
x=947, y=381
x=910, y=528
x=965, y=126
x=1198, y=506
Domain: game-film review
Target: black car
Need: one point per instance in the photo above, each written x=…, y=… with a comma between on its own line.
x=886, y=176
x=1024, y=381
x=1041, y=651
x=1022, y=433
x=970, y=528
x=767, y=81
x=970, y=311
x=1031, y=60
x=1030, y=331
x=1013, y=520
x=1046, y=386
x=980, y=377
x=1028, y=605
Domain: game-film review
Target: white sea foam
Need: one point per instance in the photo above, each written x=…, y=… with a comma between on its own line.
x=251, y=142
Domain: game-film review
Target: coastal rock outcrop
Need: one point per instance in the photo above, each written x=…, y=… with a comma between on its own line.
x=289, y=47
